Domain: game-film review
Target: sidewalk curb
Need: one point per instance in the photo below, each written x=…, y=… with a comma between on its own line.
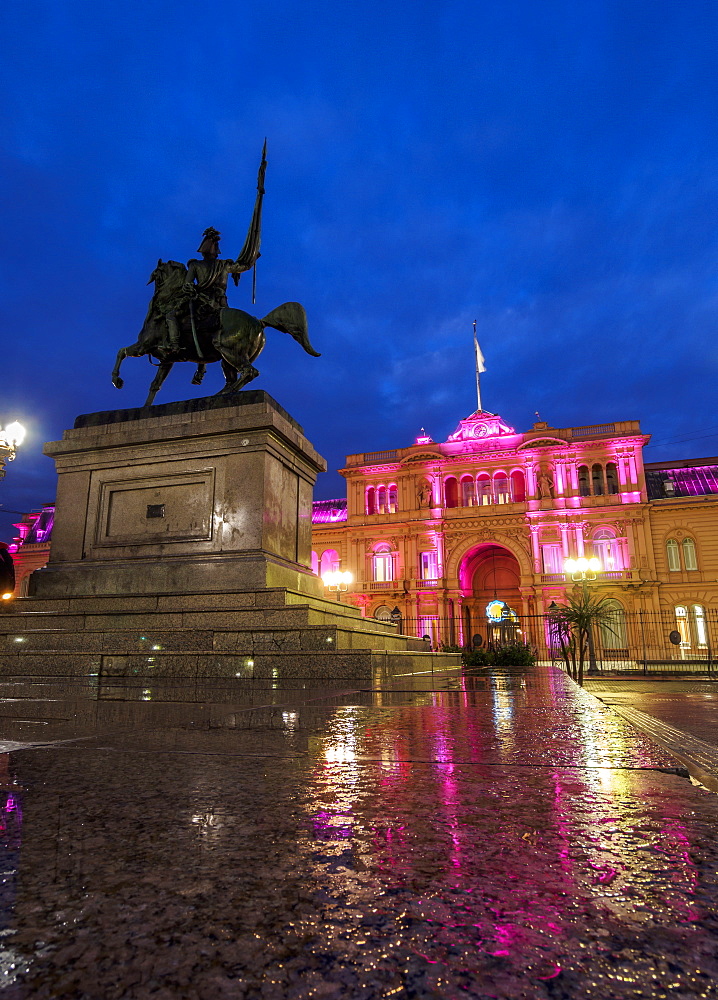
x=648, y=727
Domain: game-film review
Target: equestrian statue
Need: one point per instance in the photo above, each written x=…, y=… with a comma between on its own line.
x=189, y=320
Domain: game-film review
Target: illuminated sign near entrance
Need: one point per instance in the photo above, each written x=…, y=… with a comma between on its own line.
x=499, y=611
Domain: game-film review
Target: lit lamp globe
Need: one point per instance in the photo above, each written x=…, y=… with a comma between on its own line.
x=10, y=437
x=14, y=434
x=581, y=567
x=337, y=581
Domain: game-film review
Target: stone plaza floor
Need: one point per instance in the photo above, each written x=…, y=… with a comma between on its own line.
x=505, y=835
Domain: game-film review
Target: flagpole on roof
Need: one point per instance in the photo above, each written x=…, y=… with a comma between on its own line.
x=480, y=367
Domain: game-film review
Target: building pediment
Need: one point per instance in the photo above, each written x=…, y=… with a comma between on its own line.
x=422, y=456
x=481, y=426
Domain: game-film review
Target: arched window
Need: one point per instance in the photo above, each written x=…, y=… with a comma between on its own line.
x=691, y=623
x=451, y=492
x=597, y=480
x=682, y=625
x=689, y=554
x=613, y=632
x=383, y=563
x=612, y=477
x=315, y=563
x=392, y=498
x=383, y=613
x=381, y=500
x=698, y=616
x=371, y=501
x=483, y=489
x=607, y=549
x=329, y=562
x=518, y=487
x=673, y=555
x=468, y=494
x=501, y=488
x=584, y=483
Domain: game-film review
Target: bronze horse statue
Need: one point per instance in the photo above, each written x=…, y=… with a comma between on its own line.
x=179, y=326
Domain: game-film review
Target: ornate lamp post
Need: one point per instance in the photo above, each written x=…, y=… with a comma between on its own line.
x=585, y=571
x=337, y=581
x=11, y=437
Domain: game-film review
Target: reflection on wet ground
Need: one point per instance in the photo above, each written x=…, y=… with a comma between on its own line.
x=498, y=836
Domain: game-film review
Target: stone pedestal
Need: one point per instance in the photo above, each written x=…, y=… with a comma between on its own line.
x=208, y=495
x=181, y=549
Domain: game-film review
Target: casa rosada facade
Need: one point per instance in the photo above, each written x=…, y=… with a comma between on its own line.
x=436, y=531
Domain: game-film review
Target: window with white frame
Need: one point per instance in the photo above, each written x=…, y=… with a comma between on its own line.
x=699, y=624
x=501, y=489
x=381, y=500
x=682, y=625
x=689, y=554
x=607, y=550
x=691, y=624
x=584, y=482
x=483, y=490
x=429, y=565
x=673, y=555
x=612, y=477
x=597, y=480
x=383, y=564
x=392, y=499
x=468, y=492
x=429, y=625
x=613, y=629
x=552, y=555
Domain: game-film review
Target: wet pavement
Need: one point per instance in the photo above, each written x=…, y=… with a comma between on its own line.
x=497, y=836
x=690, y=705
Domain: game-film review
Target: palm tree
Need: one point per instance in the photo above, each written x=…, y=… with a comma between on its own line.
x=573, y=624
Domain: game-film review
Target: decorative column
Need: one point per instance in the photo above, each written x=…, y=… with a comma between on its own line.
x=580, y=549
x=535, y=549
x=565, y=545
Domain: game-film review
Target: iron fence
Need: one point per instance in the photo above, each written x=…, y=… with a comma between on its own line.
x=682, y=641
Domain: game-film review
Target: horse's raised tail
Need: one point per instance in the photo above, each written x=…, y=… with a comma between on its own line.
x=291, y=318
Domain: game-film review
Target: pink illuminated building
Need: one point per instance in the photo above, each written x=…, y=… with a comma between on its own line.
x=435, y=531
x=30, y=549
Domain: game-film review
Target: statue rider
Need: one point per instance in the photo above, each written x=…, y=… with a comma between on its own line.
x=206, y=281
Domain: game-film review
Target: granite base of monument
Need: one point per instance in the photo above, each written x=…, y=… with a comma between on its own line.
x=182, y=548
x=182, y=498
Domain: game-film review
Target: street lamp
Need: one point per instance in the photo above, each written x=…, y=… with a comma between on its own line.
x=11, y=437
x=338, y=581
x=395, y=616
x=585, y=571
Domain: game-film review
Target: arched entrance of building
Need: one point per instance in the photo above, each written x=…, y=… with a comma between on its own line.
x=486, y=572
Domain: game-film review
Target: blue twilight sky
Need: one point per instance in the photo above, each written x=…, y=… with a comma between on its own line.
x=548, y=167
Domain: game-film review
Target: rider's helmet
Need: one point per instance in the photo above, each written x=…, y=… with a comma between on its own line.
x=210, y=243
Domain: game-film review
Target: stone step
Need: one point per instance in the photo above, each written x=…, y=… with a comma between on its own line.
x=357, y=666
x=276, y=598
x=153, y=642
